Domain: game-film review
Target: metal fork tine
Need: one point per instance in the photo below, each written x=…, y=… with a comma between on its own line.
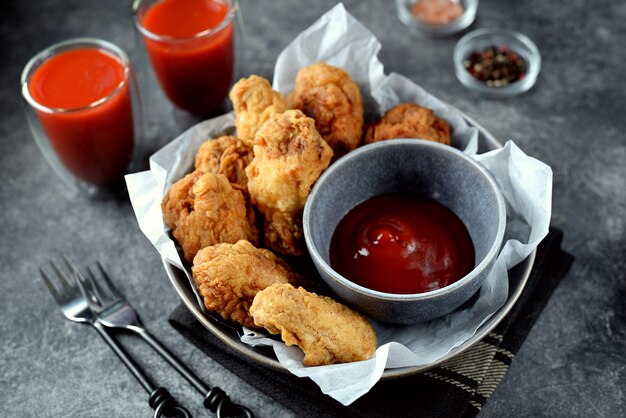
x=93, y=296
x=70, y=264
x=109, y=283
x=77, y=275
x=98, y=290
x=84, y=285
x=66, y=286
x=49, y=284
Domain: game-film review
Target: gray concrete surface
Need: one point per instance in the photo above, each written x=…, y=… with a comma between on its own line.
x=574, y=360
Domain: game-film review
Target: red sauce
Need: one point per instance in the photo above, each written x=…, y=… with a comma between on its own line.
x=399, y=243
x=195, y=73
x=95, y=144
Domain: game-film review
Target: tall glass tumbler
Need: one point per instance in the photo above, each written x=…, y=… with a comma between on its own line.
x=190, y=44
x=84, y=111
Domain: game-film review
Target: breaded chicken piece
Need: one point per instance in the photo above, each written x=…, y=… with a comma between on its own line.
x=327, y=331
x=203, y=209
x=228, y=276
x=254, y=101
x=408, y=120
x=229, y=156
x=226, y=155
x=328, y=95
x=289, y=156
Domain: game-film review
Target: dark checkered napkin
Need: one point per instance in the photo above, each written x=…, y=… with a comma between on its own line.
x=457, y=388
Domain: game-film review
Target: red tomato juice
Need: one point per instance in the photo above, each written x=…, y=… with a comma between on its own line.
x=195, y=71
x=94, y=143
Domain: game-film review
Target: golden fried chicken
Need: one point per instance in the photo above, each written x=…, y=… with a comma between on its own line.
x=229, y=156
x=328, y=95
x=254, y=101
x=226, y=155
x=203, y=209
x=327, y=331
x=408, y=120
x=289, y=156
x=228, y=276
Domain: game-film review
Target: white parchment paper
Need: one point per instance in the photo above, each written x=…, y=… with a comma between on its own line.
x=339, y=39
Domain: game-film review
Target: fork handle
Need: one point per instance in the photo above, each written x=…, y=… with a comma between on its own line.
x=215, y=399
x=160, y=399
x=128, y=361
x=173, y=360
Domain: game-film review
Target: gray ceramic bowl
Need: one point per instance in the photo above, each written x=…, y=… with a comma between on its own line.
x=419, y=167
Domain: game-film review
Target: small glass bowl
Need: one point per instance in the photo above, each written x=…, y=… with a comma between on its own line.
x=481, y=39
x=462, y=22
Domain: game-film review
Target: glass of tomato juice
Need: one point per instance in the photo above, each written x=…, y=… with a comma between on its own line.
x=190, y=44
x=84, y=111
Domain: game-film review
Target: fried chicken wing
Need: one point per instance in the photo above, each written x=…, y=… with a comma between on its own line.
x=328, y=95
x=254, y=101
x=327, y=331
x=228, y=276
x=203, y=209
x=289, y=156
x=408, y=120
x=226, y=155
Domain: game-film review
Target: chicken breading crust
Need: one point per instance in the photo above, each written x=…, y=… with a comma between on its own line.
x=289, y=157
x=408, y=120
x=203, y=209
x=228, y=276
x=254, y=101
x=226, y=155
x=328, y=95
x=326, y=331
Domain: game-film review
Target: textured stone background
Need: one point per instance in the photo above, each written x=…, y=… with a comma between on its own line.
x=574, y=360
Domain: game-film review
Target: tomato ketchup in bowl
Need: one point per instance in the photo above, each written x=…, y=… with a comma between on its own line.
x=82, y=108
x=190, y=44
x=400, y=243
x=404, y=230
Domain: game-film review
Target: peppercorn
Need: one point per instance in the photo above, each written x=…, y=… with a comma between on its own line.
x=496, y=66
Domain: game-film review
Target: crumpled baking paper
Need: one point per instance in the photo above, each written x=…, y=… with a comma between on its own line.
x=526, y=183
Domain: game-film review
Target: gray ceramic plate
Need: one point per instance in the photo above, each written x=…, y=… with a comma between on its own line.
x=229, y=334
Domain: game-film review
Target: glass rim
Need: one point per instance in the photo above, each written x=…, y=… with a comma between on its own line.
x=232, y=8
x=51, y=51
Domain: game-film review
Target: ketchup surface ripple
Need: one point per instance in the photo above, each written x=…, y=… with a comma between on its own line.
x=403, y=244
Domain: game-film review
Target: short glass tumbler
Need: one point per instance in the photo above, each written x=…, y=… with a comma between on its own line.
x=93, y=144
x=196, y=71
